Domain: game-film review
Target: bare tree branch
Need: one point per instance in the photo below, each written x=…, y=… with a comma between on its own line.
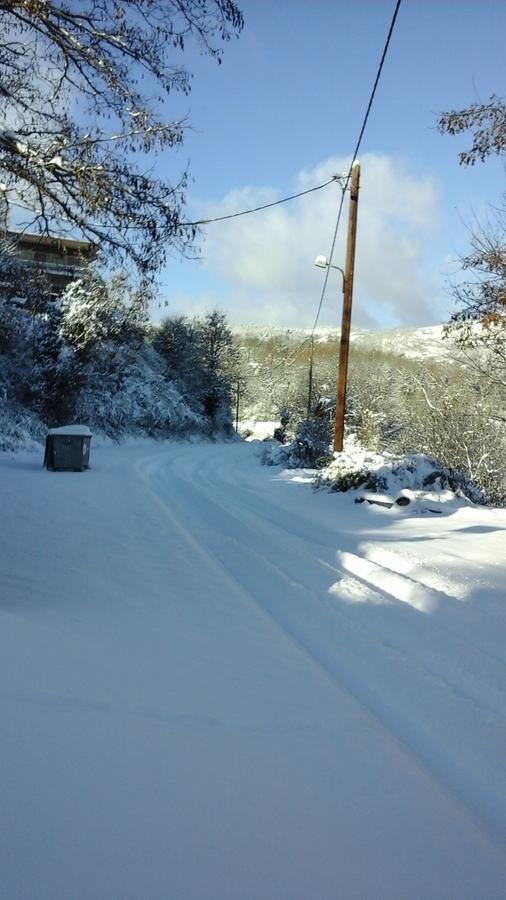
x=78, y=112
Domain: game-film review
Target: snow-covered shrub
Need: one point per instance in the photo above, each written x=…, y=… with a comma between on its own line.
x=444, y=408
x=310, y=447
x=20, y=429
x=280, y=432
x=391, y=473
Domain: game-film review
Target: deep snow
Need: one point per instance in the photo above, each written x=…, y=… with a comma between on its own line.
x=217, y=684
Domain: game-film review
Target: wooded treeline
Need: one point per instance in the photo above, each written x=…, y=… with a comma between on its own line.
x=447, y=407
x=91, y=356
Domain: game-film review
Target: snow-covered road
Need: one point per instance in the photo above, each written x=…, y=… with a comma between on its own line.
x=218, y=685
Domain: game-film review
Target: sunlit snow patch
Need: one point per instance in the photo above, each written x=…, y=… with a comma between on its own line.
x=390, y=585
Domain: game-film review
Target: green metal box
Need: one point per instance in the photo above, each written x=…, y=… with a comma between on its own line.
x=68, y=448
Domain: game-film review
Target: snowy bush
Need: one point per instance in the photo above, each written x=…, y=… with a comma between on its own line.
x=390, y=473
x=20, y=429
x=280, y=432
x=310, y=447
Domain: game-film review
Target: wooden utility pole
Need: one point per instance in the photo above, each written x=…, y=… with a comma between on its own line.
x=347, y=301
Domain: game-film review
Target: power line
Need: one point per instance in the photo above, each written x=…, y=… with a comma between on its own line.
x=243, y=212
x=310, y=339
x=318, y=187
x=246, y=212
x=354, y=156
x=376, y=81
x=327, y=271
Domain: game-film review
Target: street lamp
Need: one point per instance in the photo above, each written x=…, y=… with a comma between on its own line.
x=323, y=263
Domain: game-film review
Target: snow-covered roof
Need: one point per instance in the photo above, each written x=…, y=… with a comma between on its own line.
x=81, y=430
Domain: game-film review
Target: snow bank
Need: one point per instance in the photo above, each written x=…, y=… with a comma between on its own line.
x=257, y=430
x=420, y=477
x=386, y=472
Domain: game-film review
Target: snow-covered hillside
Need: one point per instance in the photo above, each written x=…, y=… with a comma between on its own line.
x=413, y=343
x=217, y=684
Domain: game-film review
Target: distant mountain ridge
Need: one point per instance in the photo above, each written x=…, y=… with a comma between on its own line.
x=413, y=343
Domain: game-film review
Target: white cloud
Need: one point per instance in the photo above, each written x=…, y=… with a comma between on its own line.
x=265, y=261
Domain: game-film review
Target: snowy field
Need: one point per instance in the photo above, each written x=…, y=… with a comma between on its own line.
x=217, y=684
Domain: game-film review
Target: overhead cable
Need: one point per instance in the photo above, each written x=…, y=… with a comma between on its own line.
x=354, y=156
x=344, y=186
x=246, y=212
x=318, y=187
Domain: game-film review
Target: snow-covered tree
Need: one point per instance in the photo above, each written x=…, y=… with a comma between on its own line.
x=86, y=357
x=203, y=355
x=127, y=390
x=177, y=340
x=220, y=367
x=452, y=416
x=479, y=324
x=311, y=444
x=85, y=89
x=93, y=312
x=26, y=305
x=487, y=124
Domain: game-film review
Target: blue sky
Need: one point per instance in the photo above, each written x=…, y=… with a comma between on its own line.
x=283, y=112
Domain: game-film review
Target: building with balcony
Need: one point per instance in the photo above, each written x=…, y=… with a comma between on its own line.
x=61, y=260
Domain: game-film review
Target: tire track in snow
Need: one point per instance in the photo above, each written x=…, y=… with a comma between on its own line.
x=439, y=587
x=329, y=652
x=409, y=590
x=398, y=588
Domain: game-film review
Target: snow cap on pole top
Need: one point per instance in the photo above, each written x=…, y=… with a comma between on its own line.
x=356, y=163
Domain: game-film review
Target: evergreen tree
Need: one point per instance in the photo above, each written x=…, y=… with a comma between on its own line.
x=178, y=341
x=220, y=367
x=203, y=355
